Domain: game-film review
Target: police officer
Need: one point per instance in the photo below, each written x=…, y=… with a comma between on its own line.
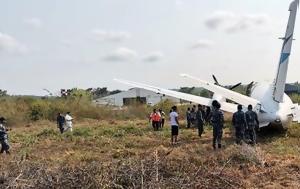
x=3, y=137
x=239, y=123
x=252, y=123
x=200, y=120
x=60, y=119
x=217, y=121
x=188, y=117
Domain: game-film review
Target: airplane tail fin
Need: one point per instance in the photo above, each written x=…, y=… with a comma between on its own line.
x=280, y=80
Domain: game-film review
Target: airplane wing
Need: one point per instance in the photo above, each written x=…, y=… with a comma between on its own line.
x=228, y=107
x=226, y=93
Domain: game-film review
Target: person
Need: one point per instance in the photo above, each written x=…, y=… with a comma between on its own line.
x=3, y=137
x=174, y=125
x=252, y=122
x=155, y=118
x=217, y=120
x=162, y=118
x=188, y=117
x=239, y=123
x=193, y=115
x=69, y=122
x=60, y=122
x=200, y=120
x=207, y=114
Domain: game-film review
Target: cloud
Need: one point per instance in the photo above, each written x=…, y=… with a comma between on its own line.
x=34, y=22
x=247, y=22
x=218, y=18
x=10, y=45
x=102, y=35
x=153, y=57
x=231, y=22
x=121, y=55
x=202, y=44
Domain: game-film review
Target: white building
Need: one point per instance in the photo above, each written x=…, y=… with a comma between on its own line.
x=134, y=95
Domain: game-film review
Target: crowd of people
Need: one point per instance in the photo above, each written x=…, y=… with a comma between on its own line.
x=157, y=118
x=245, y=123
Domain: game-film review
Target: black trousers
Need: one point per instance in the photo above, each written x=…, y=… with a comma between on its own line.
x=4, y=146
x=239, y=135
x=162, y=123
x=200, y=129
x=252, y=135
x=217, y=136
x=155, y=125
x=61, y=127
x=188, y=123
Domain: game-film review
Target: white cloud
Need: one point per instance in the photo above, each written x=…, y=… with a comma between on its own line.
x=202, y=44
x=248, y=21
x=218, y=18
x=231, y=22
x=10, y=45
x=102, y=35
x=153, y=57
x=121, y=55
x=34, y=22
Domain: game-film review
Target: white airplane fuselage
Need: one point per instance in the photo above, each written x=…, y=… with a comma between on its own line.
x=270, y=111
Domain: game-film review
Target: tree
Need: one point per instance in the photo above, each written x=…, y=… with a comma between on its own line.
x=3, y=92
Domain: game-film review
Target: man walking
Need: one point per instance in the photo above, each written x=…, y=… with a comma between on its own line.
x=155, y=118
x=69, y=122
x=217, y=120
x=174, y=125
x=60, y=122
x=200, y=120
x=188, y=118
x=3, y=137
x=239, y=123
x=252, y=122
x=162, y=118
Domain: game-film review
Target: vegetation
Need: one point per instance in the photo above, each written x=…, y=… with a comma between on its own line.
x=128, y=154
x=116, y=148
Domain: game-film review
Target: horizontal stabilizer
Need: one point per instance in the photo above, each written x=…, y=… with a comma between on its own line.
x=228, y=107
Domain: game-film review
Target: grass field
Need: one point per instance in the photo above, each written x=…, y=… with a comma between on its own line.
x=128, y=154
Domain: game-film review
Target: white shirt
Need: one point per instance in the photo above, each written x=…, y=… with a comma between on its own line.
x=68, y=119
x=173, y=116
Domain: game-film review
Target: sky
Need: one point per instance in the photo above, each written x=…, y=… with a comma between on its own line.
x=55, y=44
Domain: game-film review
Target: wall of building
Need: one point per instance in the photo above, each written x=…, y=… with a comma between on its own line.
x=117, y=99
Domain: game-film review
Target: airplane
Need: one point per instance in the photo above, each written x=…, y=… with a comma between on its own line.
x=270, y=102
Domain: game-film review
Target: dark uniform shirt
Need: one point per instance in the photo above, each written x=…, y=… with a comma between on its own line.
x=251, y=119
x=217, y=119
x=188, y=115
x=199, y=116
x=3, y=133
x=238, y=119
x=60, y=120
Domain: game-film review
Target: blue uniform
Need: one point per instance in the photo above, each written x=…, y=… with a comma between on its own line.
x=239, y=123
x=200, y=122
x=217, y=121
x=252, y=122
x=4, y=139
